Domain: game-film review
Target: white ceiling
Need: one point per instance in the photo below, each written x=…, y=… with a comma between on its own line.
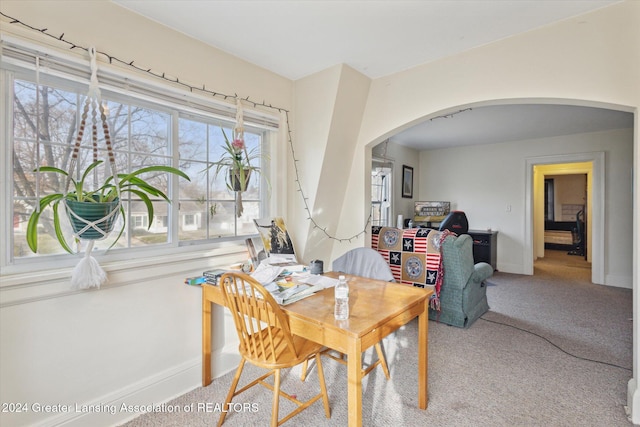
x=298, y=38
x=504, y=123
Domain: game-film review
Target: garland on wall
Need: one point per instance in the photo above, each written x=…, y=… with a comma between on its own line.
x=204, y=90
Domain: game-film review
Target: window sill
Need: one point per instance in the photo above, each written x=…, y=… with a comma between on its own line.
x=24, y=287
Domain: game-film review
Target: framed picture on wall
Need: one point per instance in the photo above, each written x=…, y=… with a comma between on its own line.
x=407, y=181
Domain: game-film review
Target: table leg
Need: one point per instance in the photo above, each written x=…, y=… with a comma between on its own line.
x=423, y=357
x=354, y=387
x=206, y=340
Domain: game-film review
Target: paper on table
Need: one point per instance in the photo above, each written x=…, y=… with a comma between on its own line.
x=307, y=286
x=307, y=291
x=272, y=287
x=266, y=274
x=282, y=296
x=321, y=281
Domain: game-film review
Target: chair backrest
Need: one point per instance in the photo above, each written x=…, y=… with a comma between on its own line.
x=365, y=262
x=457, y=260
x=262, y=327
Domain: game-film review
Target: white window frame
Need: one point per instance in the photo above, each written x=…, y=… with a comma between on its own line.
x=131, y=86
x=386, y=213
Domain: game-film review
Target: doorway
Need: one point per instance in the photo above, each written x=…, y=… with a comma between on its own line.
x=587, y=167
x=565, y=231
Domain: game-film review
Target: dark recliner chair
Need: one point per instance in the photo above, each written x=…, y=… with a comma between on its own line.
x=456, y=221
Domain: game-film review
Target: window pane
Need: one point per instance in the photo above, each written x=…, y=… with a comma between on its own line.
x=207, y=197
x=21, y=212
x=245, y=222
x=223, y=220
x=25, y=111
x=193, y=140
x=25, y=161
x=118, y=118
x=196, y=189
x=146, y=230
x=47, y=243
x=149, y=131
x=192, y=220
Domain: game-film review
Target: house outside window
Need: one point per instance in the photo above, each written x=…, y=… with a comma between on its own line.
x=139, y=221
x=163, y=220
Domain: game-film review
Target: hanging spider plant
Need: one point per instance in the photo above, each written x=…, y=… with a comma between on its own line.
x=101, y=203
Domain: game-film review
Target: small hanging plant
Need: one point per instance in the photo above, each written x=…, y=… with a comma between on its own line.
x=236, y=162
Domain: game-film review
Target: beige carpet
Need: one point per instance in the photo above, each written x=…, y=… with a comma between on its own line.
x=554, y=350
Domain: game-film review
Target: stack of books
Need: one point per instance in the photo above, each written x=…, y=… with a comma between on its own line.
x=213, y=276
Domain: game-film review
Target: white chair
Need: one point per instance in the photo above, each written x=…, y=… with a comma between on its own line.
x=364, y=262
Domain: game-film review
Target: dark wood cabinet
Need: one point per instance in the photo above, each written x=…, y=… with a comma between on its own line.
x=485, y=246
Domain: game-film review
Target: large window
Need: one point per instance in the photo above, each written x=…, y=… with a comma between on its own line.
x=43, y=115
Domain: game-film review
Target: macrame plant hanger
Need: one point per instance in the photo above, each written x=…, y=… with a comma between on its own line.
x=88, y=273
x=238, y=133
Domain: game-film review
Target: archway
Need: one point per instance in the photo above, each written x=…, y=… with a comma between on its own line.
x=521, y=239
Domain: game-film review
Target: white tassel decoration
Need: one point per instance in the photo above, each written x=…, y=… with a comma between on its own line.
x=88, y=273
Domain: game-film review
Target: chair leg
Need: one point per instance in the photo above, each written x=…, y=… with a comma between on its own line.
x=383, y=361
x=303, y=375
x=232, y=390
x=276, y=399
x=341, y=357
x=323, y=387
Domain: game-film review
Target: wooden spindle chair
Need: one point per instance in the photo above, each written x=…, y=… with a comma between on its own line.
x=266, y=341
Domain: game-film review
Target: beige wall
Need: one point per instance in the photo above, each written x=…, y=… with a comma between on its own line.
x=483, y=180
x=572, y=190
x=333, y=102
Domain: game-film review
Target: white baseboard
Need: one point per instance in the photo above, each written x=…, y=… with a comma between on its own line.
x=619, y=281
x=108, y=410
x=509, y=268
x=150, y=394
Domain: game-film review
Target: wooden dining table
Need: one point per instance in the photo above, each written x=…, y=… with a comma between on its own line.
x=377, y=308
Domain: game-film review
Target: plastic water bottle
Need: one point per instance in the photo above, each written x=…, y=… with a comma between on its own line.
x=341, y=311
